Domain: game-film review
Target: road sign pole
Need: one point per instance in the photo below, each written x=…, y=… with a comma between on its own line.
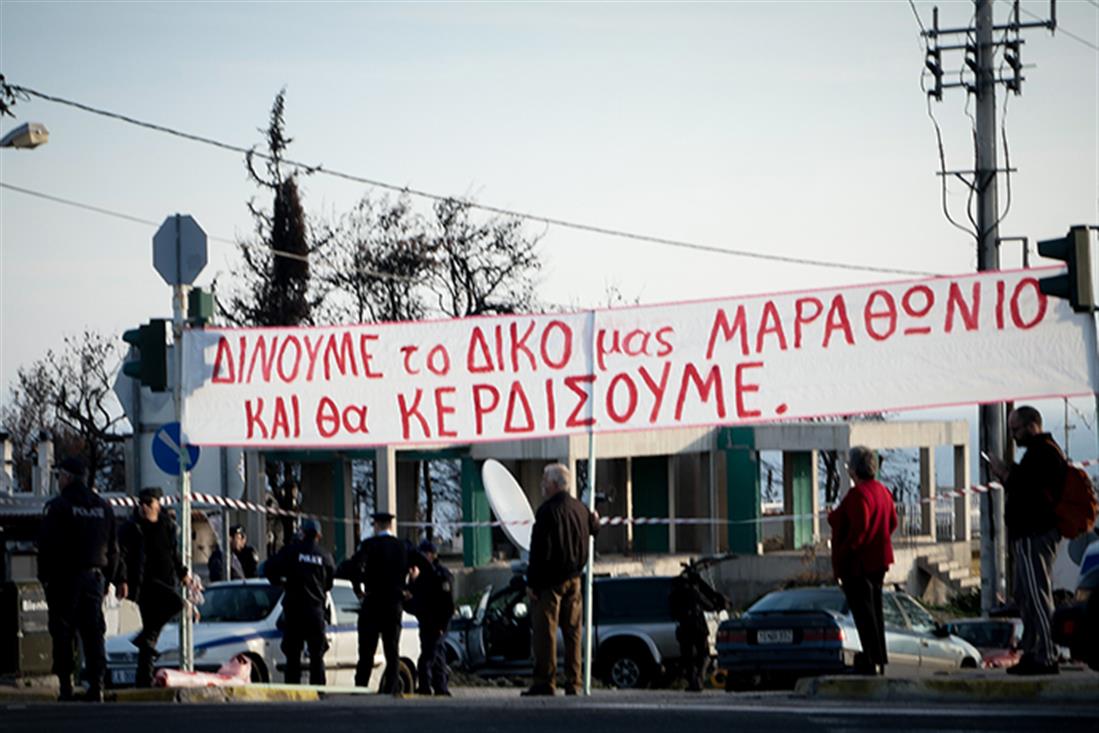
x=179, y=254
x=186, y=617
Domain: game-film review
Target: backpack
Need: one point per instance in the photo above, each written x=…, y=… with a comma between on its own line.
x=1077, y=506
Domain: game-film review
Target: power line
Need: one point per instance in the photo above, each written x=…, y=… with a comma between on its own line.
x=150, y=222
x=1062, y=31
x=320, y=169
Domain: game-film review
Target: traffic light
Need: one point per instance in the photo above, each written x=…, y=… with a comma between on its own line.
x=1075, y=285
x=151, y=365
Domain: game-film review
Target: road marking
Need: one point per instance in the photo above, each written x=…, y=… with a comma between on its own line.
x=1059, y=711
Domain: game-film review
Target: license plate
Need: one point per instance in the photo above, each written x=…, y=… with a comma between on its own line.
x=775, y=636
x=123, y=676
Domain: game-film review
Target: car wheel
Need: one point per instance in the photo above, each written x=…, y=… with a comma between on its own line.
x=259, y=669
x=406, y=677
x=628, y=667
x=969, y=663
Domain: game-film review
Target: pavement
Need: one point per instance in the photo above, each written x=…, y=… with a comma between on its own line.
x=1072, y=685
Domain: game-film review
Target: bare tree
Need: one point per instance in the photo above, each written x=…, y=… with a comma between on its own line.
x=69, y=395
x=379, y=253
x=483, y=268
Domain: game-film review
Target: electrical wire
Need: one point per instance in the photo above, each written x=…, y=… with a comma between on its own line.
x=150, y=222
x=1061, y=30
x=547, y=220
x=938, y=131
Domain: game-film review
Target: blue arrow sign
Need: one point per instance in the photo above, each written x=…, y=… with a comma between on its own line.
x=166, y=449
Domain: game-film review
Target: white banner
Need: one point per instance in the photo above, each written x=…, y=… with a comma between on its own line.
x=968, y=339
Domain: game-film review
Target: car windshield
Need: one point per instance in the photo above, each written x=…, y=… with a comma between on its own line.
x=802, y=599
x=246, y=602
x=996, y=635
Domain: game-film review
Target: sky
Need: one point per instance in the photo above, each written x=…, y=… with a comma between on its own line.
x=787, y=128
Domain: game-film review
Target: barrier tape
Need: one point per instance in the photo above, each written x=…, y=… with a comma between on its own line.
x=204, y=499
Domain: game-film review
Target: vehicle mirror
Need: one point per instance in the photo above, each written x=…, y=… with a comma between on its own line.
x=519, y=610
x=465, y=611
x=941, y=631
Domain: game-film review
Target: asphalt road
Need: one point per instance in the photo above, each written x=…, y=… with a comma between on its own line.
x=500, y=711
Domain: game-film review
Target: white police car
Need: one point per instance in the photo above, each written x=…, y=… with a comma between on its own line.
x=241, y=617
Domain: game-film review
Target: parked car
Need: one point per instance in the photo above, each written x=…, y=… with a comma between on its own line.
x=634, y=641
x=244, y=617
x=1076, y=625
x=803, y=632
x=997, y=639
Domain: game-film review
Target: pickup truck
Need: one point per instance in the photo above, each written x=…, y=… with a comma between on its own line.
x=634, y=640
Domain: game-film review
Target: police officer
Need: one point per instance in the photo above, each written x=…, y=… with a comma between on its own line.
x=77, y=557
x=306, y=570
x=153, y=573
x=246, y=555
x=380, y=569
x=433, y=605
x=690, y=598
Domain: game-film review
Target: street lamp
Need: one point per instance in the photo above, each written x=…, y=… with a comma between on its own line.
x=28, y=135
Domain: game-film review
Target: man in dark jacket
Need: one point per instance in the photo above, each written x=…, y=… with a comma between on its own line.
x=558, y=556
x=153, y=574
x=862, y=551
x=306, y=570
x=432, y=603
x=690, y=598
x=380, y=570
x=216, y=566
x=1032, y=488
x=77, y=557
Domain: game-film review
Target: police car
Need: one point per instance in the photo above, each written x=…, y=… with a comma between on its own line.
x=244, y=616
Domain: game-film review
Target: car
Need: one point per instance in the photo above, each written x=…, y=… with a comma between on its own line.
x=244, y=617
x=803, y=632
x=634, y=641
x=1076, y=625
x=997, y=639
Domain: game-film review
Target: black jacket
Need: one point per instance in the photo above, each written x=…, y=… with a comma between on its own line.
x=1033, y=487
x=689, y=600
x=78, y=533
x=559, y=541
x=150, y=553
x=215, y=565
x=380, y=570
x=306, y=570
x=432, y=595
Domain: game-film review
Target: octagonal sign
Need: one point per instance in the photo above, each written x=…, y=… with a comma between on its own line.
x=179, y=250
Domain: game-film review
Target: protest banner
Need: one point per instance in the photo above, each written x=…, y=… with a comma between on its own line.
x=974, y=338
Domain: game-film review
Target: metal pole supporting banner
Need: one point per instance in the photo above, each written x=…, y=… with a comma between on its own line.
x=992, y=418
x=589, y=571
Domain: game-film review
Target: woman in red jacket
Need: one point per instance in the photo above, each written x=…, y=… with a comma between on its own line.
x=862, y=552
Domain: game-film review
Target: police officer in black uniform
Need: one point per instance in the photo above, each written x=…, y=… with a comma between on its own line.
x=432, y=603
x=380, y=570
x=690, y=598
x=153, y=574
x=305, y=570
x=77, y=557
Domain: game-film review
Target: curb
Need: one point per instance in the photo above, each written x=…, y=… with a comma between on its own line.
x=952, y=689
x=242, y=694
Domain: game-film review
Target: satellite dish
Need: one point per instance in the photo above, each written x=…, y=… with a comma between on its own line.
x=508, y=503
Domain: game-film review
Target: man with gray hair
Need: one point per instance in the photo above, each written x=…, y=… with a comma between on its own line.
x=558, y=556
x=862, y=552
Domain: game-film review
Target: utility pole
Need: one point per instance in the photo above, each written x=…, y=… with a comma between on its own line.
x=980, y=48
